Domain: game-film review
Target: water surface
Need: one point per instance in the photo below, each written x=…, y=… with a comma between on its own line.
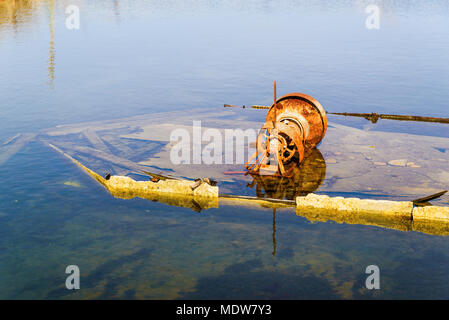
x=139, y=57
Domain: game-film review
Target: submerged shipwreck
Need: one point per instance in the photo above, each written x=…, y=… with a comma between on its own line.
x=355, y=176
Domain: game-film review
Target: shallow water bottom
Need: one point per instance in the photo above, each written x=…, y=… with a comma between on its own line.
x=137, y=249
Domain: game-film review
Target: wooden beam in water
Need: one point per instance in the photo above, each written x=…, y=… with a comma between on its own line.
x=14, y=145
x=119, y=145
x=95, y=140
x=11, y=139
x=429, y=198
x=108, y=157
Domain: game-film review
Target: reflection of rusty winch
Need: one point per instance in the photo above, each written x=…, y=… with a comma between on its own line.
x=295, y=123
x=301, y=181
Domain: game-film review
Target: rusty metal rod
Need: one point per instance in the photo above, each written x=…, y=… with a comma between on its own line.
x=233, y=106
x=260, y=107
x=373, y=117
x=274, y=104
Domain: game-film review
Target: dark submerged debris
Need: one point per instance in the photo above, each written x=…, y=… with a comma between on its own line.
x=429, y=198
x=199, y=182
x=159, y=176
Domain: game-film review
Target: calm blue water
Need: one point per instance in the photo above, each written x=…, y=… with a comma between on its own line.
x=139, y=57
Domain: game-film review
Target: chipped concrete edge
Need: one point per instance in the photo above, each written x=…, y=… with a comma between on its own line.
x=128, y=187
x=356, y=206
x=404, y=210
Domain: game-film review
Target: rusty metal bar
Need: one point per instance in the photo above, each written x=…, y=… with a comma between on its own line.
x=374, y=117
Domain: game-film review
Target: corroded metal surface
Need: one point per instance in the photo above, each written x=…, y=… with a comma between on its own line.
x=295, y=123
x=304, y=109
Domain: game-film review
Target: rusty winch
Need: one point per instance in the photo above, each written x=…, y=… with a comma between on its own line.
x=295, y=124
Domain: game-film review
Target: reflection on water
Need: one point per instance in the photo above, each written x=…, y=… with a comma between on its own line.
x=15, y=12
x=304, y=179
x=343, y=64
x=51, y=49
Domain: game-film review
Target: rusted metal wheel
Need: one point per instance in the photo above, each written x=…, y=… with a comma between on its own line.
x=305, y=112
x=295, y=124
